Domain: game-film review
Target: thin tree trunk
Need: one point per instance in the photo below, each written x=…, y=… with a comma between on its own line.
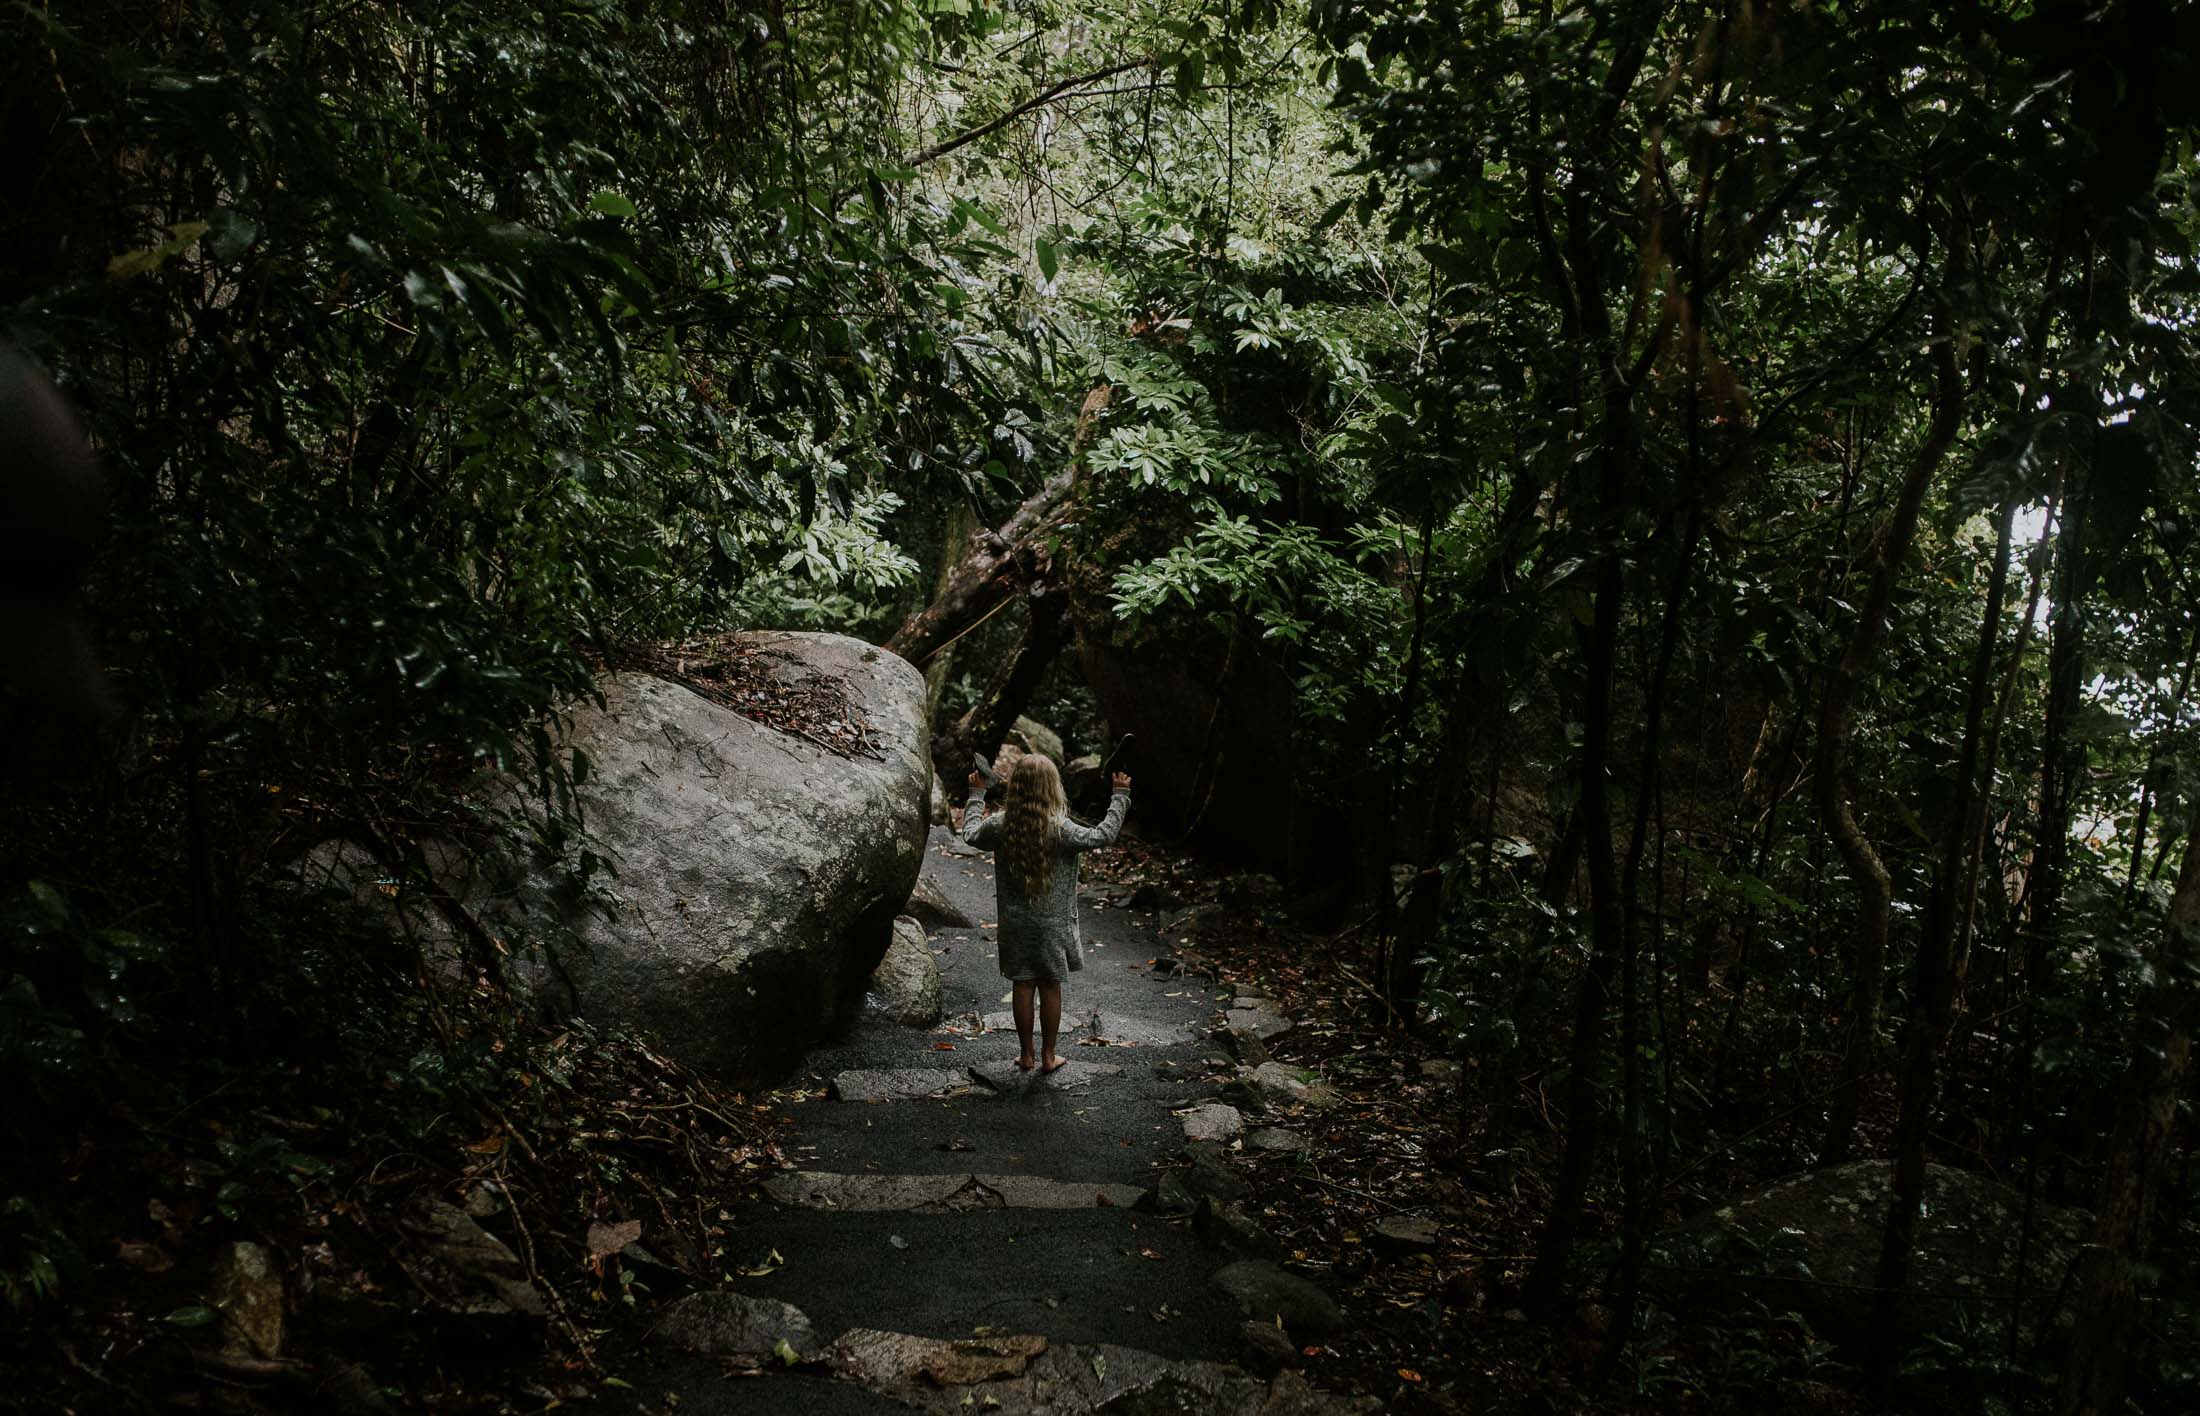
x=1584, y=1082
x=2100, y=1351
x=1940, y=966
x=2154, y=767
x=1831, y=768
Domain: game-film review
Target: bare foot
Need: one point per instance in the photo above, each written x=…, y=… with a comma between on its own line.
x=1025, y=1063
x=1055, y=1064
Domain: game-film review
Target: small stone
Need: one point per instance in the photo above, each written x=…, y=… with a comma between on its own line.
x=735, y=1325
x=907, y=980
x=929, y=904
x=1266, y=1348
x=1248, y=1001
x=493, y=1282
x=1247, y=1045
x=1213, y=1122
x=1278, y=1141
x=1246, y=1095
x=1173, y=1195
x=1226, y=1225
x=248, y=1293
x=1265, y=1292
x=1405, y=1234
x=1296, y=1084
x=1210, y=1173
x=1034, y=736
x=1260, y=1022
x=1290, y=1394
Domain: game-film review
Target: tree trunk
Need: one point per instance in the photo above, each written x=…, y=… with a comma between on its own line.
x=956, y=529
x=1940, y=967
x=982, y=730
x=2108, y=1298
x=1875, y=887
x=1000, y=563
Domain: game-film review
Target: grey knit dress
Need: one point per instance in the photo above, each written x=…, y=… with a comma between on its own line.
x=1038, y=937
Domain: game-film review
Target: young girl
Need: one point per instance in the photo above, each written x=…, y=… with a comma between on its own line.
x=1035, y=847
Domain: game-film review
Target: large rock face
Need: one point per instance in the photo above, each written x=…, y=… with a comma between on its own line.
x=1811, y=1245
x=758, y=873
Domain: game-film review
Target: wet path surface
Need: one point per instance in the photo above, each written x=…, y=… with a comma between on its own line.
x=931, y=1203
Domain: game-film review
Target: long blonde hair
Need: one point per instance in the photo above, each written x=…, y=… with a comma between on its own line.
x=1030, y=822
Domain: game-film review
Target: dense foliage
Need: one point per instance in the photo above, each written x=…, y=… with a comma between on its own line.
x=1717, y=480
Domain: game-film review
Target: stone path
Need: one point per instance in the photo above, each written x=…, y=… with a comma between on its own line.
x=963, y=1236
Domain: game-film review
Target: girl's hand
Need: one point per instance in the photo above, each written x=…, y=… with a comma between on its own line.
x=1122, y=781
x=977, y=782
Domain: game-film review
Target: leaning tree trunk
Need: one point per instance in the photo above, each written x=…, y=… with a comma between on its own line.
x=1831, y=769
x=1001, y=562
x=2108, y=1296
x=981, y=731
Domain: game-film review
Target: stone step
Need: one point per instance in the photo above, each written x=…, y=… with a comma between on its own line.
x=1010, y=1374
x=1007, y=1078
x=1001, y=1077
x=898, y=1084
x=1028, y=1374
x=933, y=1194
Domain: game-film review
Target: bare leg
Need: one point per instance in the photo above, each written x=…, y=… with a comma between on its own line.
x=1022, y=1004
x=1050, y=1020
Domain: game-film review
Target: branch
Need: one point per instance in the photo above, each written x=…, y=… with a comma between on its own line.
x=1044, y=96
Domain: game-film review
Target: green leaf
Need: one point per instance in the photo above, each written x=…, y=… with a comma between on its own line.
x=610, y=203
x=196, y=1315
x=1049, y=263
x=184, y=235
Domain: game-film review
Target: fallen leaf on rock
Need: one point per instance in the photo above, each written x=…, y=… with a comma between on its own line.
x=605, y=1240
x=943, y=1047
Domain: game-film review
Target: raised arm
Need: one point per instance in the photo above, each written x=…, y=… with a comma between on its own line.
x=979, y=829
x=1086, y=838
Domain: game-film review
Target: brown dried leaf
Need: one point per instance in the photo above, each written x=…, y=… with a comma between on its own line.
x=605, y=1240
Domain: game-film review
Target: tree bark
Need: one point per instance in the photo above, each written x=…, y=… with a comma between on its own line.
x=982, y=730
x=1940, y=966
x=1018, y=555
x=1000, y=563
x=1875, y=887
x=2107, y=1306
